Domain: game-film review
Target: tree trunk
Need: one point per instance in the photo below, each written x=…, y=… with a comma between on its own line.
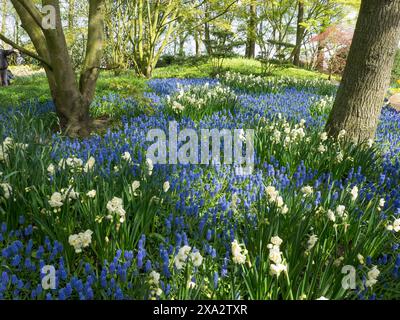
x=182, y=40
x=71, y=14
x=299, y=34
x=207, y=36
x=3, y=17
x=197, y=42
x=366, y=77
x=251, y=32
x=72, y=100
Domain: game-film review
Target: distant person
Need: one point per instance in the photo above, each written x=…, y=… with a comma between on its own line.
x=4, y=66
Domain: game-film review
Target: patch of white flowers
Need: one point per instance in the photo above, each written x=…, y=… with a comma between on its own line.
x=274, y=197
x=166, y=186
x=73, y=164
x=277, y=265
x=81, y=240
x=183, y=256
x=239, y=252
x=354, y=193
x=57, y=199
x=116, y=206
x=372, y=277
x=154, y=282
x=134, y=187
x=395, y=226
x=198, y=97
x=307, y=191
x=312, y=240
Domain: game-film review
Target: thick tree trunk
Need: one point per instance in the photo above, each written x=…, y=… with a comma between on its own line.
x=299, y=34
x=251, y=32
x=72, y=99
x=366, y=77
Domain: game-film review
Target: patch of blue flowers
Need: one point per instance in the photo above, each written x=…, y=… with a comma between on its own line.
x=202, y=210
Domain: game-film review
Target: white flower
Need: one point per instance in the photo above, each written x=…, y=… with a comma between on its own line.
x=321, y=148
x=382, y=203
x=127, y=156
x=135, y=185
x=271, y=192
x=91, y=193
x=150, y=166
x=339, y=157
x=70, y=194
x=307, y=190
x=275, y=254
x=360, y=258
x=354, y=193
x=196, y=258
x=312, y=240
x=89, y=164
x=56, y=200
x=74, y=162
x=276, y=136
x=331, y=215
x=166, y=186
x=279, y=202
x=285, y=209
x=7, y=190
x=373, y=275
x=322, y=298
x=395, y=226
x=51, y=169
x=154, y=278
x=115, y=206
x=182, y=256
x=370, y=143
x=80, y=240
x=238, y=254
x=276, y=241
x=323, y=136
x=340, y=210
x=276, y=269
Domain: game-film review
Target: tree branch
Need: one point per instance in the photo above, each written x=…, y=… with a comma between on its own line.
x=24, y=51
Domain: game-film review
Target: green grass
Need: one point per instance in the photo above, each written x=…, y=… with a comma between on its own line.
x=240, y=65
x=127, y=83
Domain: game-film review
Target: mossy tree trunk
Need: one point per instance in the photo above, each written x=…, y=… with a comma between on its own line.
x=366, y=77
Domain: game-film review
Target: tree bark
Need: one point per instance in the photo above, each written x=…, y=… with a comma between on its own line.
x=3, y=17
x=197, y=43
x=366, y=77
x=71, y=15
x=299, y=34
x=251, y=32
x=72, y=100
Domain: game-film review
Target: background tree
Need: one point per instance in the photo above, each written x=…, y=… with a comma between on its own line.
x=367, y=75
x=72, y=98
